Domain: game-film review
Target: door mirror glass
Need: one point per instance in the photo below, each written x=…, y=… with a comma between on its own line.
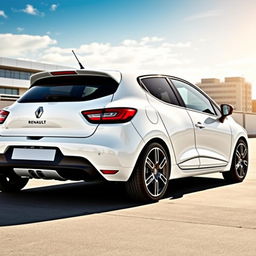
x=226, y=110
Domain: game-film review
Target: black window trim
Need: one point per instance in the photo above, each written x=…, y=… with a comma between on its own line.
x=140, y=78
x=177, y=94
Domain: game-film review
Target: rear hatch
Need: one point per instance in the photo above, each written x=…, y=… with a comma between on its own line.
x=53, y=105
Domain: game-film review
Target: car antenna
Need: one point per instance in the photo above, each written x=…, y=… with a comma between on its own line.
x=80, y=64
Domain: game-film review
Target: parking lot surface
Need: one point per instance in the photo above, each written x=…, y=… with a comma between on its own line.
x=199, y=216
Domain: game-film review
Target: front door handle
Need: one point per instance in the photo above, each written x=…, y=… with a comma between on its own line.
x=199, y=125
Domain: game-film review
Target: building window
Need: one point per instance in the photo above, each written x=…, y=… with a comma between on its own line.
x=10, y=91
x=15, y=74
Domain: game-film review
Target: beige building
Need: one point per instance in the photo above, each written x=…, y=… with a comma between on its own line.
x=234, y=91
x=15, y=75
x=254, y=106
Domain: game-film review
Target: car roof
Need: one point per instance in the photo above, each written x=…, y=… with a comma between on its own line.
x=115, y=74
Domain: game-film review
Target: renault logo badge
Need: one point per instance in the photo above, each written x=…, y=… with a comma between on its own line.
x=39, y=112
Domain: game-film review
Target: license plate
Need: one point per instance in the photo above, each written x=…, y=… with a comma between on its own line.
x=33, y=154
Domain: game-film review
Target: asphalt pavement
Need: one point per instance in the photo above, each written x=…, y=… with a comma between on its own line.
x=199, y=216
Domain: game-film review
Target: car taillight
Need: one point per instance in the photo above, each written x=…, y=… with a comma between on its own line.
x=109, y=115
x=3, y=116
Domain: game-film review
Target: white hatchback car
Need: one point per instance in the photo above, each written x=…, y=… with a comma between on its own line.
x=134, y=128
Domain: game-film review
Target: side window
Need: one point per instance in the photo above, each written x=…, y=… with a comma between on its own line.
x=161, y=89
x=192, y=98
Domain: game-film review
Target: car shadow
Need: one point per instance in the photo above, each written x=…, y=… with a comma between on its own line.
x=180, y=187
x=81, y=199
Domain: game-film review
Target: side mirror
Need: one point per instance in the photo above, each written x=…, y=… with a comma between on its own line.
x=226, y=110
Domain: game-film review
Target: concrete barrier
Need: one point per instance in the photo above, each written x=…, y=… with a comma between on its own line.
x=247, y=120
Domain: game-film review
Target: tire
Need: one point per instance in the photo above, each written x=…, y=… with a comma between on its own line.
x=149, y=180
x=239, y=166
x=12, y=183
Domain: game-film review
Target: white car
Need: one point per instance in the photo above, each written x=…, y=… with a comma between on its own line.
x=139, y=129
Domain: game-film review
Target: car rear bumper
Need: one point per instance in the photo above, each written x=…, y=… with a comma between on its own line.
x=109, y=148
x=63, y=167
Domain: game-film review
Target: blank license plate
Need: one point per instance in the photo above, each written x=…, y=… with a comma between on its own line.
x=33, y=154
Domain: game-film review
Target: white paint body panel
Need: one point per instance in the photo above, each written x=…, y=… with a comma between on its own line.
x=62, y=119
x=180, y=131
x=209, y=139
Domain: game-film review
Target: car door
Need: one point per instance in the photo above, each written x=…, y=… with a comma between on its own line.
x=213, y=138
x=175, y=118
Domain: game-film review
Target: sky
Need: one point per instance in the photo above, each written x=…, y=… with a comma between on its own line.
x=192, y=39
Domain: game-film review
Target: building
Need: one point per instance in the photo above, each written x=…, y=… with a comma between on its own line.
x=254, y=106
x=14, y=77
x=234, y=91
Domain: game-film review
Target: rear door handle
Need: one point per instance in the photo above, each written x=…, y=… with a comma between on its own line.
x=199, y=125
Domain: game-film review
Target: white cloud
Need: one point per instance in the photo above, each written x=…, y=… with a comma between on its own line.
x=19, y=29
x=177, y=45
x=2, y=14
x=53, y=7
x=148, y=53
x=239, y=62
x=142, y=41
x=244, y=67
x=203, y=40
x=30, y=9
x=204, y=15
x=13, y=45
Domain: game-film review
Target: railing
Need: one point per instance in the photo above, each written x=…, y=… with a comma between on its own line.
x=8, y=97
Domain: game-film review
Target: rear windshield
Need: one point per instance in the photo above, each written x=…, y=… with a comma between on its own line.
x=70, y=88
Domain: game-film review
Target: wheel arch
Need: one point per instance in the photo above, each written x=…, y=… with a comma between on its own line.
x=135, y=186
x=231, y=175
x=242, y=138
x=154, y=140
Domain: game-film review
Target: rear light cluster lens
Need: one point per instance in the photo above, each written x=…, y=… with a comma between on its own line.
x=109, y=115
x=60, y=73
x=3, y=116
x=109, y=171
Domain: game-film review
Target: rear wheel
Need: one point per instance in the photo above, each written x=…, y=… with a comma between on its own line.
x=239, y=164
x=11, y=182
x=150, y=177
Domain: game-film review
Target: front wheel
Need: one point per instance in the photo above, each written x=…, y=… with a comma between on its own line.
x=11, y=182
x=239, y=164
x=150, y=177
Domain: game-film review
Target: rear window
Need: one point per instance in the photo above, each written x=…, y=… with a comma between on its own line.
x=70, y=88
